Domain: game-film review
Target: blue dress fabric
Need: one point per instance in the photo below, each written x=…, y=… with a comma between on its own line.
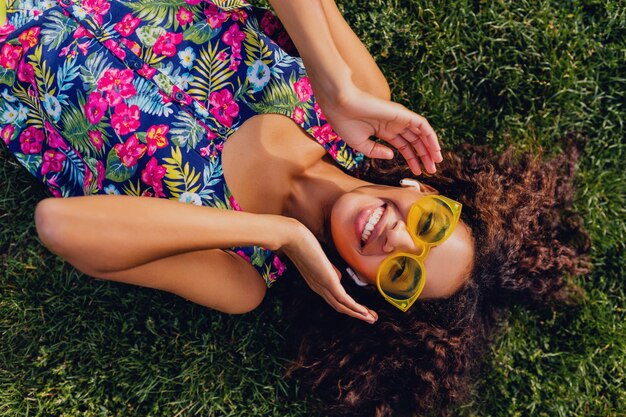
x=138, y=97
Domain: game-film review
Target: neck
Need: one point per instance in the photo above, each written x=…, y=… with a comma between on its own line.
x=313, y=194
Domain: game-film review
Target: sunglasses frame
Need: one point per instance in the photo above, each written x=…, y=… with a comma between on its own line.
x=455, y=208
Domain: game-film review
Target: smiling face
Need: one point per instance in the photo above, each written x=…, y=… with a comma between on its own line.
x=447, y=265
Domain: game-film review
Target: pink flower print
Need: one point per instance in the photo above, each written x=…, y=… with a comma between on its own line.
x=152, y=175
x=83, y=47
x=303, y=89
x=95, y=107
x=29, y=39
x=234, y=63
x=146, y=71
x=280, y=267
x=318, y=111
x=52, y=161
x=82, y=32
x=166, y=44
x=284, y=41
x=222, y=56
x=96, y=8
x=114, y=47
x=243, y=255
x=333, y=150
x=125, y=119
x=215, y=17
x=223, y=107
x=132, y=45
x=270, y=23
x=233, y=36
x=127, y=25
x=155, y=136
x=30, y=140
x=5, y=31
x=7, y=133
x=54, y=138
x=193, y=2
x=184, y=16
x=164, y=97
x=130, y=152
x=233, y=203
x=9, y=55
x=324, y=134
x=101, y=172
x=88, y=178
x=118, y=85
x=298, y=115
x=239, y=14
x=95, y=137
x=25, y=72
x=68, y=51
x=55, y=192
x=146, y=193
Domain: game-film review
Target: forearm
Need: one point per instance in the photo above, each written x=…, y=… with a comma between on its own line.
x=112, y=233
x=307, y=26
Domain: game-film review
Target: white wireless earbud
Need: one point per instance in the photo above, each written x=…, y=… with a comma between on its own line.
x=355, y=278
x=410, y=182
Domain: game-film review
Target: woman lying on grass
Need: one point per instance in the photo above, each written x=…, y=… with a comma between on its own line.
x=130, y=102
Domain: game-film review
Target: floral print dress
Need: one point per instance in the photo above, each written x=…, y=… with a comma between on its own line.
x=137, y=97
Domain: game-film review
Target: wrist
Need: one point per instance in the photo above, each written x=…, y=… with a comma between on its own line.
x=285, y=233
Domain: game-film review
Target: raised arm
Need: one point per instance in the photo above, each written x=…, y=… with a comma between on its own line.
x=354, y=113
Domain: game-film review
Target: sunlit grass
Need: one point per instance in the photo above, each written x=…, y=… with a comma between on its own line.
x=485, y=72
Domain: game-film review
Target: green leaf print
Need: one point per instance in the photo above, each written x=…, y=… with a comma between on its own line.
x=258, y=257
x=159, y=13
x=279, y=97
x=29, y=161
x=56, y=29
x=230, y=4
x=147, y=98
x=186, y=132
x=255, y=47
x=116, y=170
x=7, y=76
x=180, y=177
x=76, y=128
x=212, y=74
x=149, y=34
x=95, y=65
x=200, y=33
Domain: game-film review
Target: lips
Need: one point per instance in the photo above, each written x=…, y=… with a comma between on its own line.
x=362, y=219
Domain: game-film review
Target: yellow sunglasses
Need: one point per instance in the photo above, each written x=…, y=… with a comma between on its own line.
x=401, y=275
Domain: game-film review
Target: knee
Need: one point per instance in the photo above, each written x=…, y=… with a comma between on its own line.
x=253, y=297
x=46, y=224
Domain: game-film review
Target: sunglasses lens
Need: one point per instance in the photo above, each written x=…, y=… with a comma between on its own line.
x=401, y=277
x=432, y=220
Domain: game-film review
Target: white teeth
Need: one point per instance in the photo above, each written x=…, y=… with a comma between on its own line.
x=371, y=223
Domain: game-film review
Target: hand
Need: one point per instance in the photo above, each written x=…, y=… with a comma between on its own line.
x=356, y=115
x=320, y=274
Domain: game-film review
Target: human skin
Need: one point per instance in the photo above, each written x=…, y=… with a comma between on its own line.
x=301, y=195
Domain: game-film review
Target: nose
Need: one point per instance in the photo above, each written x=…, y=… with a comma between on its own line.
x=399, y=239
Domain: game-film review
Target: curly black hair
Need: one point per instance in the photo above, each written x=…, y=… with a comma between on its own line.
x=528, y=241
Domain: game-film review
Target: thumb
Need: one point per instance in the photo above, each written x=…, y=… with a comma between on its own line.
x=338, y=272
x=375, y=150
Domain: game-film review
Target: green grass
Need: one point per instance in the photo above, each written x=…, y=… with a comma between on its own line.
x=491, y=72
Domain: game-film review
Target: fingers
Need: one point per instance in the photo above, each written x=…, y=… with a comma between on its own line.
x=420, y=126
x=339, y=299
